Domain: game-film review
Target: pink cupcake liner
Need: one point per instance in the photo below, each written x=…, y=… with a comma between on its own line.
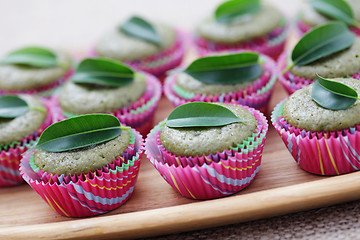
x=271, y=45
x=213, y=176
x=140, y=114
x=322, y=153
x=291, y=82
x=256, y=95
x=89, y=194
x=11, y=154
x=43, y=91
x=302, y=28
x=160, y=63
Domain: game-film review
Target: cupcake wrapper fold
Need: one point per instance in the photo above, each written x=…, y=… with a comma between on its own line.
x=207, y=177
x=10, y=154
x=161, y=62
x=272, y=44
x=291, y=82
x=88, y=194
x=323, y=153
x=256, y=96
x=139, y=115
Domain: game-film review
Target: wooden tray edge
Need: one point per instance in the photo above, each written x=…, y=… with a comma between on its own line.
x=205, y=214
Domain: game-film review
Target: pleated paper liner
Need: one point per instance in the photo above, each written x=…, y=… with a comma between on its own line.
x=291, y=82
x=214, y=176
x=139, y=114
x=88, y=194
x=44, y=91
x=256, y=95
x=161, y=62
x=10, y=154
x=322, y=153
x=272, y=44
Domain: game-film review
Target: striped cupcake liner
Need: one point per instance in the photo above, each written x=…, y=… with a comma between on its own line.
x=43, y=91
x=138, y=115
x=322, y=153
x=272, y=45
x=256, y=96
x=89, y=194
x=213, y=176
x=11, y=154
x=291, y=82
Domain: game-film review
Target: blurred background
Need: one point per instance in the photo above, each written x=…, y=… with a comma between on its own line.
x=77, y=24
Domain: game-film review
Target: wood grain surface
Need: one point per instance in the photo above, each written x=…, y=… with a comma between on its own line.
x=155, y=208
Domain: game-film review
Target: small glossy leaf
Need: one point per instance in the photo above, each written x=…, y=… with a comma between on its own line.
x=103, y=72
x=333, y=95
x=201, y=114
x=140, y=28
x=322, y=41
x=230, y=10
x=31, y=56
x=335, y=9
x=12, y=106
x=226, y=69
x=78, y=132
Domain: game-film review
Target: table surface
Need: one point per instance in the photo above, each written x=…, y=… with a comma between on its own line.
x=76, y=25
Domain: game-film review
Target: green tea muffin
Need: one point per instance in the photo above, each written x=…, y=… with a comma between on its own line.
x=85, y=165
x=208, y=150
x=246, y=25
x=243, y=29
x=82, y=160
x=81, y=99
x=26, y=78
x=205, y=141
x=121, y=47
x=320, y=127
x=301, y=111
x=149, y=46
x=22, y=126
x=340, y=64
x=308, y=17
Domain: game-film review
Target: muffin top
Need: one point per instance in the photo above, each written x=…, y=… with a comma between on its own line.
x=311, y=17
x=190, y=84
x=82, y=160
x=198, y=141
x=340, y=64
x=246, y=28
x=119, y=46
x=81, y=98
x=15, y=77
x=304, y=113
x=20, y=127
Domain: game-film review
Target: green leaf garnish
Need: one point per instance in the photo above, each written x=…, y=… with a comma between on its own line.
x=201, y=114
x=333, y=95
x=12, y=106
x=226, y=69
x=335, y=9
x=230, y=10
x=140, y=28
x=320, y=42
x=31, y=56
x=79, y=132
x=103, y=72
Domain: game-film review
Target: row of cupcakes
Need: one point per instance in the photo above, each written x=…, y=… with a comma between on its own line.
x=91, y=85
x=203, y=150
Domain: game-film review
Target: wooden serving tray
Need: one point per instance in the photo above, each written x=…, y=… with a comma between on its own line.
x=281, y=187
